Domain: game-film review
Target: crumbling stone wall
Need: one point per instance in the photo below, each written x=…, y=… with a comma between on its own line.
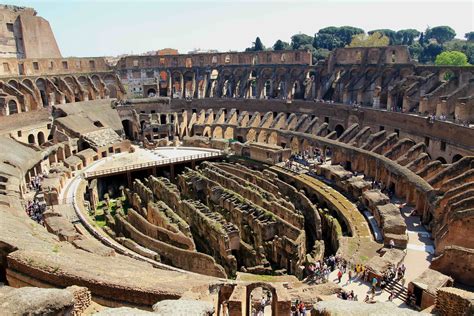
x=454, y=302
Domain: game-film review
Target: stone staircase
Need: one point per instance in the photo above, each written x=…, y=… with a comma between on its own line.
x=399, y=291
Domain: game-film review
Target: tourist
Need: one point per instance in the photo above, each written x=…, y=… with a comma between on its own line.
x=350, y=276
x=374, y=282
x=339, y=276
x=366, y=299
x=392, y=243
x=302, y=309
x=392, y=296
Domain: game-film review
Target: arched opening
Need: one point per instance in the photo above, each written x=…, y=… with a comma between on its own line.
x=163, y=119
x=268, y=89
x=189, y=84
x=446, y=75
x=442, y=160
x=41, y=84
x=297, y=92
x=457, y=158
x=251, y=135
x=12, y=107
x=31, y=139
x=177, y=77
x=163, y=83
x=339, y=130
x=260, y=300
x=112, y=91
x=229, y=133
x=151, y=93
x=281, y=90
x=128, y=129
x=40, y=138
x=217, y=132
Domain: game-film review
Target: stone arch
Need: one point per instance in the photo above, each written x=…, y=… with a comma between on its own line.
x=28, y=83
x=41, y=85
x=13, y=83
x=442, y=160
x=294, y=145
x=151, y=92
x=188, y=78
x=12, y=107
x=229, y=133
x=31, y=139
x=251, y=287
x=457, y=158
x=41, y=139
x=262, y=136
x=305, y=145
x=217, y=132
x=446, y=74
x=251, y=135
x=339, y=130
x=273, y=138
x=128, y=128
x=206, y=132
x=96, y=80
x=112, y=91
x=296, y=91
x=163, y=83
x=268, y=89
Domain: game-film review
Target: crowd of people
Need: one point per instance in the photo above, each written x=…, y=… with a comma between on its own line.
x=307, y=158
x=35, y=183
x=34, y=208
x=299, y=309
x=318, y=272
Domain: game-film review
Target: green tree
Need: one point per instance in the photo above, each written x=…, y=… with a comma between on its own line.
x=391, y=34
x=258, y=45
x=345, y=33
x=374, y=40
x=415, y=50
x=326, y=41
x=334, y=37
x=467, y=47
x=451, y=58
x=320, y=54
x=441, y=34
x=407, y=36
x=299, y=40
x=469, y=36
x=422, y=39
x=280, y=45
x=430, y=52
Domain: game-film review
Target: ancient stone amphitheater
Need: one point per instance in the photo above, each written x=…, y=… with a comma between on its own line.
x=198, y=184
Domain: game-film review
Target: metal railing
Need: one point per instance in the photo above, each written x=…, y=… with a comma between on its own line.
x=156, y=163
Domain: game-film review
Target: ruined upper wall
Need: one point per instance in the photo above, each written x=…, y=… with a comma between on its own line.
x=38, y=38
x=370, y=55
x=12, y=67
x=300, y=57
x=25, y=35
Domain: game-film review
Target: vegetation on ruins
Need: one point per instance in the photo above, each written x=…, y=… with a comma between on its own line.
x=280, y=45
x=451, y=58
x=373, y=40
x=424, y=46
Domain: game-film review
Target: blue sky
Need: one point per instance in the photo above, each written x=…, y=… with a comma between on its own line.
x=107, y=27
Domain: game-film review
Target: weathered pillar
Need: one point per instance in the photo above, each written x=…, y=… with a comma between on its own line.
x=129, y=178
x=171, y=171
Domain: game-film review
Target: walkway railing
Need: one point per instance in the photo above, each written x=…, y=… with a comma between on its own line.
x=145, y=165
